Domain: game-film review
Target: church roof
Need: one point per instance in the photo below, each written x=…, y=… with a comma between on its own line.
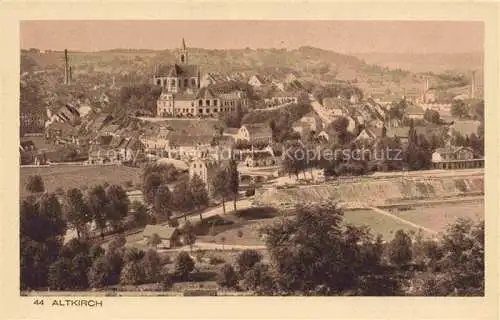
x=177, y=70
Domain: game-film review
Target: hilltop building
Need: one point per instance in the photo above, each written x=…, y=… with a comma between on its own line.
x=182, y=95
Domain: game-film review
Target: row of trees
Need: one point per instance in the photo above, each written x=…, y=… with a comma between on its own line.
x=188, y=194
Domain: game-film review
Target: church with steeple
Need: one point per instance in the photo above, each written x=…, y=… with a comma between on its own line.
x=182, y=97
x=178, y=77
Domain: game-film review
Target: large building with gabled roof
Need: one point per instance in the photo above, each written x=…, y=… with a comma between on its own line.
x=182, y=96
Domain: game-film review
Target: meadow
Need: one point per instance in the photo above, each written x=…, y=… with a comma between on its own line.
x=77, y=176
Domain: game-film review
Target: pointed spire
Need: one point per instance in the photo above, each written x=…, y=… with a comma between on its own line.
x=183, y=44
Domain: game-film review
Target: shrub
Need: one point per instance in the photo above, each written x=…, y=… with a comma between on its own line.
x=240, y=233
x=250, y=192
x=184, y=265
x=247, y=259
x=216, y=260
x=227, y=277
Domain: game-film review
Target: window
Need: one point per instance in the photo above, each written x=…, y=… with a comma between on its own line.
x=207, y=103
x=193, y=82
x=158, y=82
x=173, y=83
x=207, y=110
x=185, y=83
x=215, y=103
x=200, y=110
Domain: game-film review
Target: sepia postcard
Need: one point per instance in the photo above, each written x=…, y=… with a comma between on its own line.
x=250, y=160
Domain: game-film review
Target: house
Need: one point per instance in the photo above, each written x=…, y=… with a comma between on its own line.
x=262, y=158
x=465, y=127
x=212, y=78
x=281, y=97
x=256, y=133
x=256, y=81
x=414, y=112
x=169, y=237
x=367, y=134
x=452, y=157
x=205, y=168
x=336, y=106
x=400, y=133
x=67, y=114
x=309, y=122
x=205, y=102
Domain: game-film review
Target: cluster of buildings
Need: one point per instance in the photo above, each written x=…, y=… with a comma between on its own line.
x=183, y=96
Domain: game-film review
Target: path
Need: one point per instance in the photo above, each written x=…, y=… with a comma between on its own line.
x=214, y=246
x=390, y=215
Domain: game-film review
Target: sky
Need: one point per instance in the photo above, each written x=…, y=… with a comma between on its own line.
x=339, y=36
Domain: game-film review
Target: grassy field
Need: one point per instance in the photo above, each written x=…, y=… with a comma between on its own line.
x=438, y=217
x=79, y=176
x=379, y=224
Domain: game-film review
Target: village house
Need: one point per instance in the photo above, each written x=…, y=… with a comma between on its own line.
x=308, y=123
x=169, y=237
x=256, y=81
x=212, y=78
x=261, y=158
x=464, y=127
x=281, y=97
x=256, y=133
x=415, y=112
x=336, y=106
x=205, y=168
x=452, y=157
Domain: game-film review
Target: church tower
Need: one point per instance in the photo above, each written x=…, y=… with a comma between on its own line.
x=183, y=57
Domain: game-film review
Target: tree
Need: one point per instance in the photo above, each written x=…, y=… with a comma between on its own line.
x=154, y=240
x=223, y=240
x=400, y=249
x=199, y=194
x=247, y=259
x=99, y=272
x=259, y=279
x=59, y=277
x=184, y=265
x=227, y=277
x=181, y=197
x=76, y=211
x=117, y=205
x=459, y=109
x=189, y=235
x=141, y=215
x=132, y=273
x=162, y=203
x=220, y=188
x=309, y=253
x=151, y=182
x=432, y=116
x=233, y=180
x=80, y=265
x=463, y=256
x=152, y=266
x=35, y=184
x=97, y=203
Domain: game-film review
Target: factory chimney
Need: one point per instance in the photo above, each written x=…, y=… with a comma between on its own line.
x=66, y=69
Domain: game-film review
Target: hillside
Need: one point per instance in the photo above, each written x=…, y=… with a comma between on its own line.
x=434, y=62
x=313, y=66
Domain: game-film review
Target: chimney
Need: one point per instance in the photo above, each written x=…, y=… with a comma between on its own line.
x=70, y=77
x=66, y=71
